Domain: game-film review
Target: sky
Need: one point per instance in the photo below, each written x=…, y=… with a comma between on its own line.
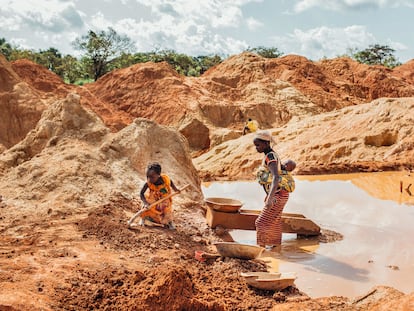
x=312, y=28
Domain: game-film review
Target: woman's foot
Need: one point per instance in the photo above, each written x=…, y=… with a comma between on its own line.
x=273, y=248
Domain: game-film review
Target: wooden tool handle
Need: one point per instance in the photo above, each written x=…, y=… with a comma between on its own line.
x=167, y=197
x=155, y=203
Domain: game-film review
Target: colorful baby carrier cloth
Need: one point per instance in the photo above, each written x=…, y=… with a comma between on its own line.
x=265, y=177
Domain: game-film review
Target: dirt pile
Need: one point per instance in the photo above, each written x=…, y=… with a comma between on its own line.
x=149, y=90
x=163, y=273
x=53, y=182
x=405, y=71
x=172, y=287
x=50, y=86
x=271, y=91
x=71, y=159
x=212, y=108
x=47, y=82
x=369, y=137
x=20, y=106
x=8, y=78
x=242, y=88
x=329, y=84
x=339, y=82
x=362, y=82
x=209, y=103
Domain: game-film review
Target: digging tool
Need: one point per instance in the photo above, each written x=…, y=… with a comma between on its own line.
x=155, y=203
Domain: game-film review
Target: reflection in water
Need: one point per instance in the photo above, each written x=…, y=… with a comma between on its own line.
x=368, y=209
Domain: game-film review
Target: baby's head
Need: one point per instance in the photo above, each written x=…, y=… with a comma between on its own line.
x=153, y=172
x=289, y=165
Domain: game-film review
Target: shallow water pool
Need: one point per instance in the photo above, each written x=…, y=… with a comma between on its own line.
x=375, y=218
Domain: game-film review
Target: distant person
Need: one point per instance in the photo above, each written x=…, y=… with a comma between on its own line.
x=159, y=186
x=269, y=222
x=250, y=126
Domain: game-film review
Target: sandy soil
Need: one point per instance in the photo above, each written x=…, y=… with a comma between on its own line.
x=78, y=261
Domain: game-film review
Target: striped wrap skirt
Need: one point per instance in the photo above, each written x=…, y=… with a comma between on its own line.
x=269, y=222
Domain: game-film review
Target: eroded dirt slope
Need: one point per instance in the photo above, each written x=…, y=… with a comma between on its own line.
x=212, y=108
x=369, y=137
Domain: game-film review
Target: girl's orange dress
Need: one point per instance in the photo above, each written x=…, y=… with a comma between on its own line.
x=162, y=212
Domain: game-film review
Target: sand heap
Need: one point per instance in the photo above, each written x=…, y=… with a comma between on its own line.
x=51, y=86
x=151, y=90
x=405, y=71
x=204, y=108
x=40, y=78
x=212, y=108
x=20, y=106
x=271, y=91
x=70, y=158
x=366, y=137
x=241, y=88
x=70, y=183
x=338, y=82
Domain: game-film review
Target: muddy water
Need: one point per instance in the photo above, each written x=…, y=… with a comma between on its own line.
x=375, y=218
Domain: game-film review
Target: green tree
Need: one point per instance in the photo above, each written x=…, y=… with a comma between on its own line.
x=182, y=63
x=206, y=62
x=266, y=52
x=5, y=48
x=376, y=55
x=122, y=61
x=71, y=69
x=51, y=59
x=102, y=48
x=16, y=54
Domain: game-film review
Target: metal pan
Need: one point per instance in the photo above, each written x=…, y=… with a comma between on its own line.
x=237, y=250
x=224, y=204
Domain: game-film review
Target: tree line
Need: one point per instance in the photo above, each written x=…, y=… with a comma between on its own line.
x=104, y=51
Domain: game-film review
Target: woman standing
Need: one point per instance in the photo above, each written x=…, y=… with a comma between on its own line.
x=269, y=222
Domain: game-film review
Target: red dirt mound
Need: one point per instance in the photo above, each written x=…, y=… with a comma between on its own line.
x=51, y=86
x=338, y=82
x=244, y=85
x=20, y=106
x=405, y=71
x=8, y=78
x=40, y=78
x=149, y=90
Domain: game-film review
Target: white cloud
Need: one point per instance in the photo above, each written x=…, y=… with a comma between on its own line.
x=398, y=46
x=11, y=23
x=194, y=27
x=99, y=22
x=338, y=5
x=253, y=24
x=185, y=36
x=182, y=25
x=322, y=42
x=50, y=15
x=225, y=13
